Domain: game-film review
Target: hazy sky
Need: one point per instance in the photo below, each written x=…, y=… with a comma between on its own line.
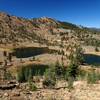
x=81, y=12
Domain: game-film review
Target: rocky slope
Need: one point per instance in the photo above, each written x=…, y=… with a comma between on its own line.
x=16, y=30
x=81, y=91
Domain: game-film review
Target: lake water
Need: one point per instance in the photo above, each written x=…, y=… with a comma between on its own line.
x=92, y=59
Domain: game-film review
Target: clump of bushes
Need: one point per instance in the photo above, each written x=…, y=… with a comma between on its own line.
x=50, y=78
x=32, y=86
x=52, y=73
x=73, y=70
x=93, y=77
x=27, y=72
x=8, y=75
x=71, y=74
x=49, y=83
x=96, y=49
x=59, y=70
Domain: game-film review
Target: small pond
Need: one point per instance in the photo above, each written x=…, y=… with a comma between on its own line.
x=92, y=59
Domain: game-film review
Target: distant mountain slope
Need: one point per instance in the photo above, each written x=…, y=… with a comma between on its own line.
x=14, y=30
x=95, y=29
x=67, y=25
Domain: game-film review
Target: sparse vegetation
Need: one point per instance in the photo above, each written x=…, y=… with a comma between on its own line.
x=93, y=77
x=96, y=49
x=36, y=44
x=32, y=86
x=8, y=76
x=59, y=70
x=27, y=72
x=50, y=78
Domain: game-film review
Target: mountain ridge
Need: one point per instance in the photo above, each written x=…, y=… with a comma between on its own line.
x=17, y=30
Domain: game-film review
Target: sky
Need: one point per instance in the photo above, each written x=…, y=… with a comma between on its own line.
x=80, y=12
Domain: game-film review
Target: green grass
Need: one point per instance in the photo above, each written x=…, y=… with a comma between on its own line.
x=28, y=71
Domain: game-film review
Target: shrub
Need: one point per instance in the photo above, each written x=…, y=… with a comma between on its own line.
x=59, y=70
x=96, y=49
x=79, y=55
x=50, y=78
x=20, y=75
x=71, y=74
x=76, y=56
x=32, y=86
x=49, y=83
x=73, y=70
x=8, y=76
x=70, y=82
x=82, y=74
x=10, y=57
x=27, y=72
x=33, y=58
x=93, y=77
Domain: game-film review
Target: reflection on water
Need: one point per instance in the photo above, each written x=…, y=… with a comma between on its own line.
x=92, y=59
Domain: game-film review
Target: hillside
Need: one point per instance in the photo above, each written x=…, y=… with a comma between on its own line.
x=46, y=59
x=15, y=30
